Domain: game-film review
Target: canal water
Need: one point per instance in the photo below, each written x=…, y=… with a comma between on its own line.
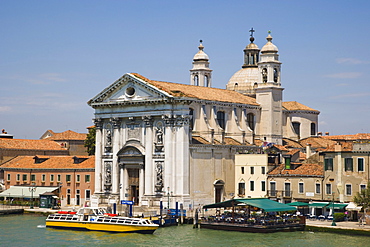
x=29, y=230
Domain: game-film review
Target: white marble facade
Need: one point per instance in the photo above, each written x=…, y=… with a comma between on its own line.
x=177, y=143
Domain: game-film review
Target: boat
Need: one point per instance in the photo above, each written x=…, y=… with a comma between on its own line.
x=99, y=219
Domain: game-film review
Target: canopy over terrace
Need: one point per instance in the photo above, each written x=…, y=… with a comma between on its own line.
x=263, y=203
x=25, y=191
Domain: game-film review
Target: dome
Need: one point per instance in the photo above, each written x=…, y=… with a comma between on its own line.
x=245, y=77
x=201, y=55
x=269, y=46
x=252, y=46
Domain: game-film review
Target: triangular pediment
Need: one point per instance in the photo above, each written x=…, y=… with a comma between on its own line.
x=129, y=89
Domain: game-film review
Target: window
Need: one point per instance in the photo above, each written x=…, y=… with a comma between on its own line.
x=8, y=176
x=273, y=189
x=287, y=163
x=348, y=164
x=87, y=194
x=77, y=192
x=263, y=186
x=58, y=177
x=313, y=129
x=328, y=189
x=328, y=164
x=196, y=80
x=206, y=81
x=250, y=120
x=241, y=189
x=252, y=170
x=348, y=189
x=297, y=128
x=301, y=188
x=18, y=177
x=242, y=170
x=191, y=122
x=68, y=178
x=275, y=75
x=318, y=188
x=263, y=170
x=251, y=183
x=68, y=191
x=24, y=177
x=362, y=187
x=52, y=178
x=78, y=178
x=264, y=75
x=33, y=177
x=87, y=178
x=360, y=164
x=43, y=177
x=221, y=119
x=287, y=190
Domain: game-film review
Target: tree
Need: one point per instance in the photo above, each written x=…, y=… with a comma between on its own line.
x=90, y=141
x=362, y=198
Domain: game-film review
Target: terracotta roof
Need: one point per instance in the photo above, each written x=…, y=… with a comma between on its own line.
x=203, y=93
x=67, y=135
x=51, y=162
x=291, y=143
x=345, y=147
x=359, y=136
x=26, y=144
x=304, y=169
x=280, y=147
x=231, y=141
x=295, y=106
x=316, y=142
x=199, y=140
x=292, y=151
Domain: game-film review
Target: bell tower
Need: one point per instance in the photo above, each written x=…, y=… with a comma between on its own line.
x=269, y=94
x=201, y=74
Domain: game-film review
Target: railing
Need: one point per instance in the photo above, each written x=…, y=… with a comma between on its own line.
x=280, y=193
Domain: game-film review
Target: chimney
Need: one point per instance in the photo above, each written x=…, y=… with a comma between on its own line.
x=319, y=133
x=338, y=147
x=308, y=150
x=327, y=133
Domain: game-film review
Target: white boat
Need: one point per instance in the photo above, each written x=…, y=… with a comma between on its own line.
x=99, y=219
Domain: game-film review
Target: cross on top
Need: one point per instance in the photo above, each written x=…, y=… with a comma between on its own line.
x=252, y=31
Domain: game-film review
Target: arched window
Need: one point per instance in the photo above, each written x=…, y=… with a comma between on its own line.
x=250, y=120
x=206, y=80
x=313, y=129
x=275, y=75
x=264, y=75
x=191, y=123
x=297, y=128
x=196, y=80
x=251, y=59
x=221, y=119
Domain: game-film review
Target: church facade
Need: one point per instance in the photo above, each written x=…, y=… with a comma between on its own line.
x=170, y=142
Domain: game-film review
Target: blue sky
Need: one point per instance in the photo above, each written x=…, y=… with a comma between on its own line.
x=56, y=55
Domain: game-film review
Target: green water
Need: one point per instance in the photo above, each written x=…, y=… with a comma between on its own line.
x=27, y=230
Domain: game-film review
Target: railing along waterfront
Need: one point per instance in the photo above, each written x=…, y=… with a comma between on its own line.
x=254, y=221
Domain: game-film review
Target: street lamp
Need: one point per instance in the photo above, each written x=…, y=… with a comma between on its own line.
x=32, y=189
x=333, y=222
x=168, y=197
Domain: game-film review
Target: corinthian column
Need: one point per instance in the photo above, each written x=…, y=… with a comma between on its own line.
x=115, y=171
x=98, y=155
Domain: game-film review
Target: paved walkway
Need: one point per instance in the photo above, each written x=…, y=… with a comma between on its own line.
x=340, y=225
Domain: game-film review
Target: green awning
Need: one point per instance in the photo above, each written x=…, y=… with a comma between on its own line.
x=25, y=191
x=337, y=205
x=318, y=204
x=298, y=204
x=263, y=203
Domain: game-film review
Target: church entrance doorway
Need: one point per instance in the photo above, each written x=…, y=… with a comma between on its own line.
x=219, y=188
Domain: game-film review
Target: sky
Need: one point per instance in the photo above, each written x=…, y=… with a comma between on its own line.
x=56, y=55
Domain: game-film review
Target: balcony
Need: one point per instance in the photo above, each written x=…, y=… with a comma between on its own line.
x=280, y=193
